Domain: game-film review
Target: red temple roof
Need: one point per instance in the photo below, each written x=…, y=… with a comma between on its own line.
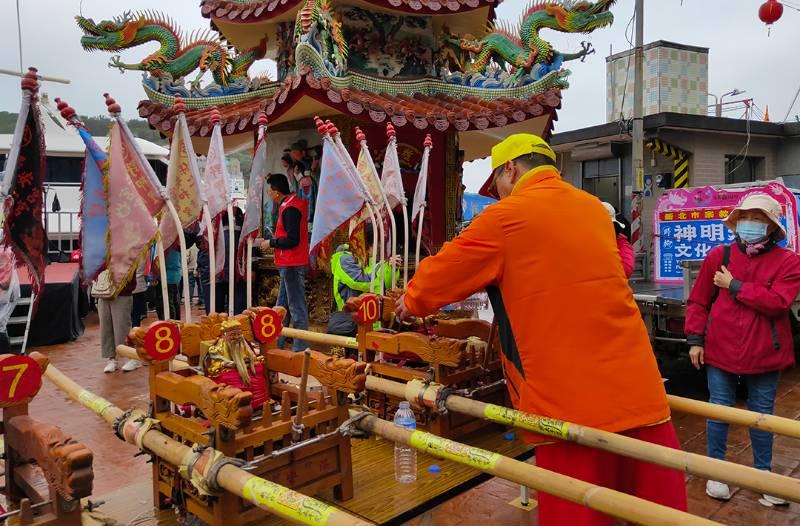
x=258, y=10
x=440, y=111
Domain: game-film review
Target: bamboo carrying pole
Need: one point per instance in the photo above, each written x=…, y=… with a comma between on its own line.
x=595, y=497
x=264, y=494
x=771, y=423
x=694, y=464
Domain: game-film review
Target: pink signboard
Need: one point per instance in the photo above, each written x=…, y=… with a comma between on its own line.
x=689, y=223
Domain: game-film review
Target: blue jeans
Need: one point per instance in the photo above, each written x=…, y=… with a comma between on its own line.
x=292, y=296
x=761, y=390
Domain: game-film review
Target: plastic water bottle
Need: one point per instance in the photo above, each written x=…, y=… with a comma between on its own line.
x=405, y=457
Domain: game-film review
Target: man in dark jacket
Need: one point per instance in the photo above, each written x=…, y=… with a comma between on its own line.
x=290, y=243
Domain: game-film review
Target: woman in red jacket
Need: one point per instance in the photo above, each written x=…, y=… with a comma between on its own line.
x=737, y=323
x=623, y=245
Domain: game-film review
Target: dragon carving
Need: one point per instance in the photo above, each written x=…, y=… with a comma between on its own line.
x=319, y=26
x=177, y=56
x=520, y=49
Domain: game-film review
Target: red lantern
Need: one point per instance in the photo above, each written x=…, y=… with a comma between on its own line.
x=770, y=11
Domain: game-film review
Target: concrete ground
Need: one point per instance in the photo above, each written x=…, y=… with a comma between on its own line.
x=119, y=473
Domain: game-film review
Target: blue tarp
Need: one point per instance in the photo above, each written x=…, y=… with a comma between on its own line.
x=473, y=204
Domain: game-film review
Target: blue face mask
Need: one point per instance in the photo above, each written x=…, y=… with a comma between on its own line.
x=751, y=231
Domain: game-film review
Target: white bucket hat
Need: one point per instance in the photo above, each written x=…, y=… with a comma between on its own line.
x=612, y=213
x=763, y=202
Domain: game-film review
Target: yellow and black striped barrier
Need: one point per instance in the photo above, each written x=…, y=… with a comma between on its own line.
x=680, y=160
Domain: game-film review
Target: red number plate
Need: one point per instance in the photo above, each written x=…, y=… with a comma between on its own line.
x=20, y=379
x=267, y=326
x=162, y=341
x=369, y=310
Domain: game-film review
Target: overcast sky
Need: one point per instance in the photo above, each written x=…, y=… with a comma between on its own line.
x=742, y=55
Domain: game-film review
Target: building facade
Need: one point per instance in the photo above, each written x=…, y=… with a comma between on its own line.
x=711, y=151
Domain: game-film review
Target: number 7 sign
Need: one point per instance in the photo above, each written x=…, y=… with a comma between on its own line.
x=20, y=379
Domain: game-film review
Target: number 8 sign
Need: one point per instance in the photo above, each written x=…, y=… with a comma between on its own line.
x=369, y=310
x=20, y=379
x=162, y=341
x=266, y=325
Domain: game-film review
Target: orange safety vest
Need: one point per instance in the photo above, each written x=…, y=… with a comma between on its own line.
x=574, y=344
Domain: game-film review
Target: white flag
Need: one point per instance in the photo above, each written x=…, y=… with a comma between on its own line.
x=391, y=180
x=422, y=186
x=216, y=176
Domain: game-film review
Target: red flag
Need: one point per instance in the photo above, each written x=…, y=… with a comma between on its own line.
x=22, y=187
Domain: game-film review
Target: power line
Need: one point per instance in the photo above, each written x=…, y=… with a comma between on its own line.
x=622, y=120
x=797, y=93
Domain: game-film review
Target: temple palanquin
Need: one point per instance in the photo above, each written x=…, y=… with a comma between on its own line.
x=414, y=63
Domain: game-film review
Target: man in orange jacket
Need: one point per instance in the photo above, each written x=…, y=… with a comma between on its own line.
x=574, y=344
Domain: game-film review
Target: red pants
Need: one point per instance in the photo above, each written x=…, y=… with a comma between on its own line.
x=654, y=483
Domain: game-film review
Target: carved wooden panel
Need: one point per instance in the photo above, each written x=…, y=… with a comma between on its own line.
x=341, y=374
x=463, y=328
x=222, y=405
x=66, y=464
x=211, y=325
x=190, y=339
x=432, y=349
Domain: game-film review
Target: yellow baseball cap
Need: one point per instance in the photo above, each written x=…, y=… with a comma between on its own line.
x=509, y=149
x=518, y=145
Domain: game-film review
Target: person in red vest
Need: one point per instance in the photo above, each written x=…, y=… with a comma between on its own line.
x=290, y=243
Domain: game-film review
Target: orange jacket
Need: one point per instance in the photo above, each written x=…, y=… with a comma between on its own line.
x=574, y=344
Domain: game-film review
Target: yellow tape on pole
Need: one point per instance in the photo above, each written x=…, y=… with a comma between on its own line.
x=538, y=424
x=94, y=402
x=288, y=503
x=441, y=447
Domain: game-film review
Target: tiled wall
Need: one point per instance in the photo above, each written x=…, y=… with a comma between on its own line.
x=675, y=80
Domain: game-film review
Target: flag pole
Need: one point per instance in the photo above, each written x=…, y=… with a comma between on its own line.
x=231, y=258
x=116, y=113
x=424, y=190
x=262, y=130
x=162, y=269
x=362, y=139
x=29, y=85
x=351, y=170
x=187, y=304
x=419, y=234
x=215, y=120
x=392, y=134
x=212, y=262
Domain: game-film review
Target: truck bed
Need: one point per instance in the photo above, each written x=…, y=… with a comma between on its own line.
x=663, y=293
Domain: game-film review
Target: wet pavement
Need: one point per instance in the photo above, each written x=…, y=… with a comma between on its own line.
x=123, y=480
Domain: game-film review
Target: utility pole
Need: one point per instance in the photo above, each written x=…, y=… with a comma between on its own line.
x=638, y=123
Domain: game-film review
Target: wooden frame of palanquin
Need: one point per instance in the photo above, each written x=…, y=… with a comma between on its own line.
x=43, y=467
x=238, y=433
x=452, y=362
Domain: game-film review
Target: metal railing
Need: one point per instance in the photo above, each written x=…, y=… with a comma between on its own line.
x=63, y=231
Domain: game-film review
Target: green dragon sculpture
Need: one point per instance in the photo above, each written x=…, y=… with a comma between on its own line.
x=522, y=49
x=318, y=25
x=178, y=56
